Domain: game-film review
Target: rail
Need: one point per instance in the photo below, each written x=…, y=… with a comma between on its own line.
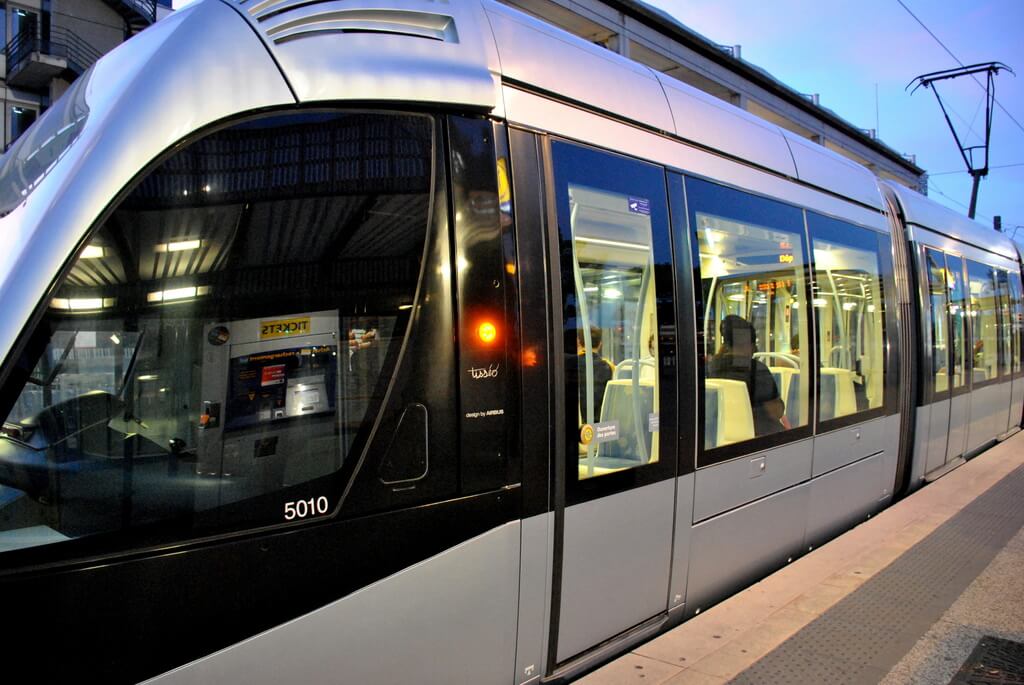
x=146, y=8
x=62, y=43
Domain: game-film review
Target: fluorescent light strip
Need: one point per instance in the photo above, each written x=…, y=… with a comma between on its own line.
x=78, y=304
x=93, y=252
x=179, y=245
x=178, y=294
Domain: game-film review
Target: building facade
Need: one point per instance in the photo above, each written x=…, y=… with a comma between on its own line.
x=49, y=43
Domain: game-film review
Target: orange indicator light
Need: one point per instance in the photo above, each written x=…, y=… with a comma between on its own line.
x=487, y=332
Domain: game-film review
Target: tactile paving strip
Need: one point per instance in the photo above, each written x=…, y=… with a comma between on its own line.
x=865, y=634
x=993, y=662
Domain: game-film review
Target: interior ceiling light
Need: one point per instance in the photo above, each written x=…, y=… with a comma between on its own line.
x=78, y=304
x=178, y=294
x=179, y=246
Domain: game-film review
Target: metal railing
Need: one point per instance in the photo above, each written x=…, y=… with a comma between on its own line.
x=62, y=43
x=146, y=8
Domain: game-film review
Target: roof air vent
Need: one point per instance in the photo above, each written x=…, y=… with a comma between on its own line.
x=301, y=18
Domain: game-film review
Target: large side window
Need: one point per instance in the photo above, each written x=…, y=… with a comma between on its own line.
x=617, y=288
x=1017, y=315
x=958, y=318
x=935, y=266
x=984, y=322
x=1005, y=322
x=219, y=351
x=849, y=308
x=756, y=381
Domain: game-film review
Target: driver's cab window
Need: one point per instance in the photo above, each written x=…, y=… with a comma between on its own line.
x=221, y=346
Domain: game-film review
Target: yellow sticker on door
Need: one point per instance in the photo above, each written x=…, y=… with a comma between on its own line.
x=283, y=328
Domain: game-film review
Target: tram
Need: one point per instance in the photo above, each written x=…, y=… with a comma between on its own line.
x=419, y=341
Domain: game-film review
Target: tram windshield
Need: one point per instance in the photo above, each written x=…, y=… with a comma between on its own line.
x=33, y=155
x=226, y=336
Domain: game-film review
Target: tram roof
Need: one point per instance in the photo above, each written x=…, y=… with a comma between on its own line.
x=919, y=210
x=466, y=53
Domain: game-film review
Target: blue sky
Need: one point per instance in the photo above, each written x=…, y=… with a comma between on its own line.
x=841, y=50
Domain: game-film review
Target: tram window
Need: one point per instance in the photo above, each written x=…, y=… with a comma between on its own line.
x=1017, y=314
x=984, y=322
x=756, y=381
x=959, y=314
x=849, y=309
x=1005, y=322
x=935, y=265
x=613, y=220
x=221, y=347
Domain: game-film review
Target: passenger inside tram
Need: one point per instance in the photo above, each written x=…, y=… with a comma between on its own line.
x=604, y=370
x=735, y=361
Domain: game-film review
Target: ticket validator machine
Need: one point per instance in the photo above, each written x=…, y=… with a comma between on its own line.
x=270, y=404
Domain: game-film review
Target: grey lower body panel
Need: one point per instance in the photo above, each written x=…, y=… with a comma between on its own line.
x=534, y=596
x=959, y=420
x=1016, y=403
x=733, y=483
x=615, y=567
x=729, y=551
x=938, y=434
x=451, y=618
x=681, y=540
x=843, y=498
x=989, y=414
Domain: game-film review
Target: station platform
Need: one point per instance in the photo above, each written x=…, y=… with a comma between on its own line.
x=931, y=590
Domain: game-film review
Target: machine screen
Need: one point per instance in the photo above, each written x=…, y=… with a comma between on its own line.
x=281, y=384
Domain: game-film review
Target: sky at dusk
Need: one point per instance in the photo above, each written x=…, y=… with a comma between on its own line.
x=841, y=50
x=844, y=51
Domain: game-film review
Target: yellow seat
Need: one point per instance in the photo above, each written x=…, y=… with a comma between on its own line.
x=735, y=416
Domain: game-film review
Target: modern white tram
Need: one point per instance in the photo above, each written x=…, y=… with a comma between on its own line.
x=418, y=341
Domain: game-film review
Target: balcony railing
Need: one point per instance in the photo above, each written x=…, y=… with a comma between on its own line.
x=146, y=8
x=139, y=13
x=62, y=43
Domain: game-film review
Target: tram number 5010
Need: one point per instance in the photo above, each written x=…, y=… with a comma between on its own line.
x=302, y=508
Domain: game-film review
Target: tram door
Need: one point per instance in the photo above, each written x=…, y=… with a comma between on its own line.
x=948, y=385
x=615, y=490
x=943, y=376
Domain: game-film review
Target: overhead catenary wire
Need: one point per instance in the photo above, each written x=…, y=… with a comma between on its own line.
x=957, y=60
x=961, y=171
